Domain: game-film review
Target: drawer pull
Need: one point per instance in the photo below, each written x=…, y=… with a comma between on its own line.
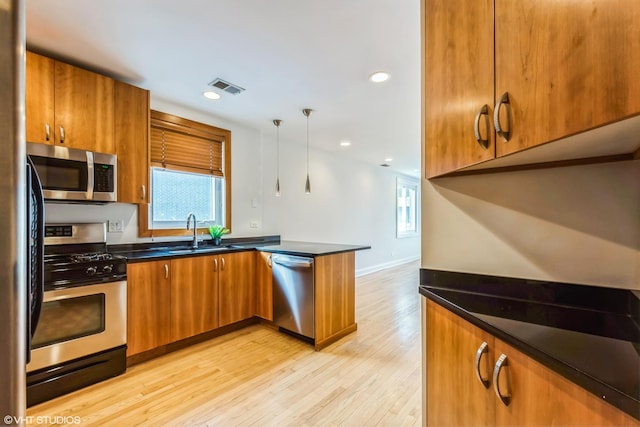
x=483, y=349
x=502, y=363
x=504, y=99
x=144, y=192
x=222, y=259
x=166, y=271
x=484, y=111
x=215, y=264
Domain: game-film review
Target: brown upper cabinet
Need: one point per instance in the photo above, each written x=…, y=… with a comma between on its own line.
x=550, y=69
x=68, y=106
x=132, y=142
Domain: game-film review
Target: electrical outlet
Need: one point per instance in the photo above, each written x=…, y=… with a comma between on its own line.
x=254, y=224
x=116, y=225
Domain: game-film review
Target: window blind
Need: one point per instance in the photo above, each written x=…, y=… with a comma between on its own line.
x=180, y=144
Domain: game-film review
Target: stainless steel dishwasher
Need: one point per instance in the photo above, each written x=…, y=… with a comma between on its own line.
x=293, y=294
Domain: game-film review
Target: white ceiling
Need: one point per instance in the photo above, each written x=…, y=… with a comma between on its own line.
x=287, y=54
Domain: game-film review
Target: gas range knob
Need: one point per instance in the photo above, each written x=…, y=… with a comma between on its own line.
x=91, y=271
x=107, y=269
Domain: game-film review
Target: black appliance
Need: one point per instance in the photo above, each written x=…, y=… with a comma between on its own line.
x=35, y=252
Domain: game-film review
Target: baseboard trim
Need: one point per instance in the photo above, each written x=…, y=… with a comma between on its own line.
x=385, y=265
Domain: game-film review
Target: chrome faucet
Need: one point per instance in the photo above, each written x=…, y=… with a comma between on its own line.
x=194, y=244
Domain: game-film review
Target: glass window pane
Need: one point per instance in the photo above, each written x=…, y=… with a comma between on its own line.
x=406, y=208
x=176, y=194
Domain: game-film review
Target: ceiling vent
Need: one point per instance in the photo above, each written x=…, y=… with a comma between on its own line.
x=226, y=86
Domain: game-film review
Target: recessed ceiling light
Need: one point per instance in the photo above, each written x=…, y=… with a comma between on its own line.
x=345, y=143
x=388, y=159
x=211, y=94
x=379, y=76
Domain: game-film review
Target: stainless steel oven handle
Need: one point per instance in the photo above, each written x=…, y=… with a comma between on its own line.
x=90, y=175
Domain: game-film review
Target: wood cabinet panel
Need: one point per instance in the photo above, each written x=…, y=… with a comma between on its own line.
x=39, y=90
x=148, y=306
x=132, y=142
x=84, y=108
x=568, y=66
x=459, y=80
x=455, y=397
x=264, y=286
x=237, y=287
x=334, y=295
x=77, y=105
x=540, y=397
x=194, y=296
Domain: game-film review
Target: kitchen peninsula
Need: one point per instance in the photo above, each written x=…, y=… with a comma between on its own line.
x=178, y=296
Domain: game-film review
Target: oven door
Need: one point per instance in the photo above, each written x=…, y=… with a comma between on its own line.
x=79, y=321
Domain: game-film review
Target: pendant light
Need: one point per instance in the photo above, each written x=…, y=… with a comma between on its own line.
x=307, y=184
x=277, y=123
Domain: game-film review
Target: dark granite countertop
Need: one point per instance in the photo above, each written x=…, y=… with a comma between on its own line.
x=588, y=334
x=310, y=249
x=140, y=252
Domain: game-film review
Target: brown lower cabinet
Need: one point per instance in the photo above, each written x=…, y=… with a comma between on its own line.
x=236, y=286
x=173, y=299
x=148, y=306
x=194, y=296
x=455, y=395
x=264, y=286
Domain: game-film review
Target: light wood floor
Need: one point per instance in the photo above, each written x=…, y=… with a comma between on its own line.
x=260, y=377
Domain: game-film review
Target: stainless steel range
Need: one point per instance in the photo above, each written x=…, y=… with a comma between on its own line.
x=81, y=335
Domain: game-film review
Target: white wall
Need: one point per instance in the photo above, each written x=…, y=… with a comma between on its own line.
x=350, y=202
x=573, y=224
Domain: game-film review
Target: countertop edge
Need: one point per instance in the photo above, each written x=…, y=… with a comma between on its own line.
x=594, y=386
x=311, y=254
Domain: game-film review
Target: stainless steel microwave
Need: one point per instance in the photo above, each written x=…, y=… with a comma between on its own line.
x=70, y=174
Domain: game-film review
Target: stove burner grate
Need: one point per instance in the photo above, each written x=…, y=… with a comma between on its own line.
x=91, y=256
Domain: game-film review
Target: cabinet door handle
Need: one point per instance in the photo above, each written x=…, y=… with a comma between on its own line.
x=222, y=259
x=47, y=132
x=215, y=264
x=484, y=111
x=61, y=135
x=269, y=261
x=166, y=271
x=144, y=192
x=502, y=363
x=506, y=134
x=483, y=349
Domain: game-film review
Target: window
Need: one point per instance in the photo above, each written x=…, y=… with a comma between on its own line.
x=190, y=173
x=171, y=204
x=406, y=208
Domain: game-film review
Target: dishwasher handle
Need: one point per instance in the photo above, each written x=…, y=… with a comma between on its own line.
x=290, y=262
